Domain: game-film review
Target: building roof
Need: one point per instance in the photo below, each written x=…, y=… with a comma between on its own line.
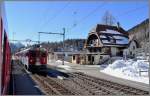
x=101, y=27
x=110, y=35
x=143, y=22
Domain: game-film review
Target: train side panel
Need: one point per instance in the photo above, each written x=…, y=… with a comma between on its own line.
x=5, y=51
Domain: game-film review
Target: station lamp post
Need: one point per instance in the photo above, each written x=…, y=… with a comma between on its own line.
x=62, y=34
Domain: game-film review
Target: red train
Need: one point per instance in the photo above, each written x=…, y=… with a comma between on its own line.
x=34, y=59
x=5, y=53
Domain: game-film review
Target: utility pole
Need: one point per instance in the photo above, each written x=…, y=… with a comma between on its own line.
x=63, y=46
x=13, y=36
x=39, y=38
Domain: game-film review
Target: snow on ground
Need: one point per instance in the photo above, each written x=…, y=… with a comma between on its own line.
x=92, y=66
x=59, y=61
x=66, y=67
x=58, y=64
x=129, y=69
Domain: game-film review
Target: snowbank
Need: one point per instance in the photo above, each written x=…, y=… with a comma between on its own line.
x=58, y=64
x=129, y=70
x=59, y=61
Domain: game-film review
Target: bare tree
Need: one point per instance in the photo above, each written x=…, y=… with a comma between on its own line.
x=108, y=19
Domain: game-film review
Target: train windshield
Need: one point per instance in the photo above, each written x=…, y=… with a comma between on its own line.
x=32, y=53
x=37, y=54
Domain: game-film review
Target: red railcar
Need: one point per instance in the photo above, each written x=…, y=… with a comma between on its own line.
x=34, y=59
x=5, y=54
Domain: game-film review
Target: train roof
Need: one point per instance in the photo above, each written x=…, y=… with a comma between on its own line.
x=30, y=49
x=23, y=51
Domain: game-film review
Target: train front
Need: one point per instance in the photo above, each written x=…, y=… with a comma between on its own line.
x=37, y=59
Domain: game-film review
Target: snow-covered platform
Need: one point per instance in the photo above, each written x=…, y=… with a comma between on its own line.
x=95, y=70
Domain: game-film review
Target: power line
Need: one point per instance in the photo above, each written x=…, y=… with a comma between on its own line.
x=57, y=14
x=44, y=15
x=24, y=40
x=91, y=13
x=129, y=11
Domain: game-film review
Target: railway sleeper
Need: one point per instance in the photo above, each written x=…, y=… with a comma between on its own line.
x=77, y=88
x=94, y=89
x=117, y=86
x=60, y=87
x=71, y=89
x=113, y=83
x=95, y=85
x=88, y=91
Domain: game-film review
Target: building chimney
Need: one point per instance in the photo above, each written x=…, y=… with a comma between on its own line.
x=118, y=25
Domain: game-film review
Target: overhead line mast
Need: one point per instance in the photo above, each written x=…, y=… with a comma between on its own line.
x=54, y=33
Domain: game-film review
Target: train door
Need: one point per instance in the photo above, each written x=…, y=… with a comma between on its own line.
x=43, y=57
x=32, y=57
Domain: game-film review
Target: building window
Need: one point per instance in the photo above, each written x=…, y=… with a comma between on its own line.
x=130, y=53
x=133, y=47
x=100, y=50
x=101, y=57
x=92, y=58
x=89, y=58
x=95, y=50
x=73, y=57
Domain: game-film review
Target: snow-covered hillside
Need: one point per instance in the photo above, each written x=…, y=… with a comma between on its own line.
x=129, y=69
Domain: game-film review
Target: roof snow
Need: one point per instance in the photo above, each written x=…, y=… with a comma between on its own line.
x=114, y=37
x=110, y=31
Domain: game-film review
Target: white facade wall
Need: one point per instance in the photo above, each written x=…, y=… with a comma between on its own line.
x=131, y=50
x=96, y=59
x=114, y=51
x=132, y=47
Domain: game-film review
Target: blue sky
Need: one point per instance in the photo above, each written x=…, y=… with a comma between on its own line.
x=26, y=19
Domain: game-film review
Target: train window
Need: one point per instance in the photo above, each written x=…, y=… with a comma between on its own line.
x=27, y=54
x=32, y=53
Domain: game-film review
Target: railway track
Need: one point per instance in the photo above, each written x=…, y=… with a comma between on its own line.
x=100, y=86
x=82, y=84
x=50, y=87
